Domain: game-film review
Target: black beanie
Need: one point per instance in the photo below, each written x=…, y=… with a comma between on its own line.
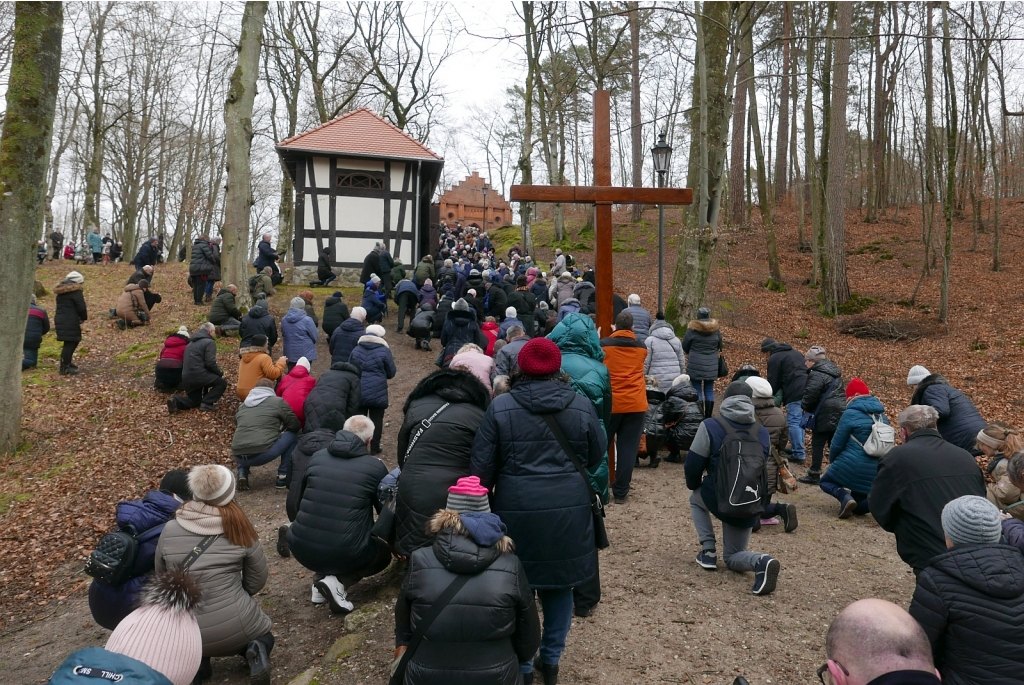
x=259, y=340
x=738, y=388
x=767, y=344
x=338, y=294
x=176, y=483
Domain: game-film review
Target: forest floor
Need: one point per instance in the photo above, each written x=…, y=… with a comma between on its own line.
x=105, y=435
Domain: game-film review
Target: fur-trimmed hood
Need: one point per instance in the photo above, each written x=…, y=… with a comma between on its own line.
x=67, y=287
x=250, y=349
x=451, y=385
x=706, y=327
x=173, y=590
x=456, y=549
x=372, y=340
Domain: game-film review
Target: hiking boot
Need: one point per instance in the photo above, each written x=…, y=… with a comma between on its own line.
x=846, y=507
x=121, y=324
x=766, y=574
x=282, y=546
x=259, y=663
x=787, y=512
x=282, y=482
x=243, y=478
x=707, y=560
x=798, y=462
x=620, y=500
x=655, y=461
x=172, y=406
x=674, y=458
x=317, y=597
x=331, y=588
x=426, y=346
x=207, y=407
x=549, y=671
x=813, y=477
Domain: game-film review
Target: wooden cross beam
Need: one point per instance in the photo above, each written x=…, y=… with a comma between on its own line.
x=603, y=195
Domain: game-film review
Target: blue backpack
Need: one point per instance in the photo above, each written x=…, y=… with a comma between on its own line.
x=95, y=666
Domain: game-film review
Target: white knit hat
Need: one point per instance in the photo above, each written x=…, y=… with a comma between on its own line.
x=917, y=374
x=358, y=313
x=303, y=362
x=681, y=378
x=510, y=312
x=183, y=331
x=762, y=388
x=75, y=277
x=212, y=484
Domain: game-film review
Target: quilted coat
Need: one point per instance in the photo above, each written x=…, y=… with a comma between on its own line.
x=255, y=365
x=338, y=494
x=970, y=602
x=702, y=342
x=373, y=306
x=130, y=302
x=850, y=466
x=335, y=312
x=308, y=445
x=199, y=368
x=224, y=308
x=174, y=348
x=294, y=389
x=818, y=379
x=337, y=391
x=441, y=454
x=36, y=326
x=582, y=355
x=300, y=335
x=641, y=321
x=229, y=618
x=538, y=493
x=344, y=339
x=665, y=359
x=682, y=410
x=204, y=259
x=481, y=637
x=377, y=366
x=959, y=420
x=70, y=311
x=257, y=320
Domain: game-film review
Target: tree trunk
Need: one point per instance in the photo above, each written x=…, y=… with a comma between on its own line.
x=24, y=155
x=636, y=139
x=811, y=170
x=951, y=153
x=238, y=139
x=782, y=142
x=94, y=166
x=737, y=160
x=836, y=288
x=533, y=49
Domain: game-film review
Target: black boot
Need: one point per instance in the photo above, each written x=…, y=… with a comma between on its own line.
x=259, y=663
x=549, y=671
x=813, y=477
x=709, y=409
x=674, y=458
x=205, y=671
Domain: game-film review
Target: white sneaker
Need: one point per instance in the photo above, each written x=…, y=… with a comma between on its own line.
x=332, y=589
x=318, y=597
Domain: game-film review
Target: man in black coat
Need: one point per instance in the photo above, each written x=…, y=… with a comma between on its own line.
x=324, y=273
x=332, y=533
x=267, y=257
x=201, y=267
x=916, y=480
x=387, y=263
x=337, y=393
x=371, y=265
x=959, y=420
x=143, y=273
x=147, y=254
x=201, y=376
x=787, y=372
x=258, y=321
x=335, y=312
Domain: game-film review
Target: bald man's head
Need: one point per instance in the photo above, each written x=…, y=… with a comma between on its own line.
x=871, y=637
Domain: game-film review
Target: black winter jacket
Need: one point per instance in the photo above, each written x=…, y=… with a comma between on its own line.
x=266, y=256
x=525, y=304
x=702, y=343
x=70, y=311
x=441, y=314
x=371, y=265
x=338, y=495
x=257, y=320
x=344, y=339
x=818, y=379
x=204, y=259
x=199, y=368
x=36, y=327
x=224, y=308
x=970, y=602
x=308, y=445
x=146, y=256
x=335, y=312
x=538, y=493
x=337, y=391
x=915, y=481
x=491, y=626
x=460, y=328
x=959, y=420
x=786, y=371
x=682, y=411
x=441, y=454
x=495, y=302
x=323, y=267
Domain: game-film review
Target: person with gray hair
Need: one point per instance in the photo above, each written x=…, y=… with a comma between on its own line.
x=332, y=534
x=916, y=480
x=201, y=376
x=505, y=358
x=224, y=312
x=970, y=600
x=299, y=333
x=641, y=317
x=267, y=258
x=875, y=642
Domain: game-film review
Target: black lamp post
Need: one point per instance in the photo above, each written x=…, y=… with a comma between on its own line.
x=662, y=154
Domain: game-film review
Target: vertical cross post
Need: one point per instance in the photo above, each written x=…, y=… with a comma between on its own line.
x=603, y=212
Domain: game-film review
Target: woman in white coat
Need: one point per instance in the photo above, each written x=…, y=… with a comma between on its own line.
x=665, y=359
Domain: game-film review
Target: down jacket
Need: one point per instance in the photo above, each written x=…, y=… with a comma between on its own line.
x=294, y=388
x=255, y=365
x=109, y=604
x=773, y=419
x=582, y=355
x=199, y=367
x=331, y=532
x=538, y=493
x=702, y=342
x=970, y=602
x=37, y=325
x=377, y=366
x=174, y=348
x=300, y=335
x=819, y=377
x=129, y=303
x=69, y=312
x=441, y=454
x=204, y=259
x=850, y=466
x=337, y=392
x=665, y=359
x=460, y=327
x=229, y=618
x=787, y=372
x=959, y=420
x=344, y=339
x=683, y=415
x=335, y=313
x=224, y=308
x=481, y=638
x=308, y=445
x=641, y=321
x=257, y=320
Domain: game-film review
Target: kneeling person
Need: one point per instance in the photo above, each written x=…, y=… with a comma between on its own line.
x=332, y=532
x=265, y=428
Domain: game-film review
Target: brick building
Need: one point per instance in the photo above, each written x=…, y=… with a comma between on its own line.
x=467, y=202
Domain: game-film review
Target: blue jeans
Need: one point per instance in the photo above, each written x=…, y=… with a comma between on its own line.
x=705, y=391
x=794, y=412
x=557, y=607
x=282, y=448
x=327, y=280
x=30, y=357
x=209, y=287
x=832, y=487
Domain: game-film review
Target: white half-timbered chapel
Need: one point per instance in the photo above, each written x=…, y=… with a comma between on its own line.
x=360, y=180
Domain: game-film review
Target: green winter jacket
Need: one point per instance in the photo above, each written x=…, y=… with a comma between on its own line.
x=582, y=358
x=259, y=421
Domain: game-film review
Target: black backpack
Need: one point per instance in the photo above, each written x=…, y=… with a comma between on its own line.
x=253, y=280
x=113, y=560
x=741, y=479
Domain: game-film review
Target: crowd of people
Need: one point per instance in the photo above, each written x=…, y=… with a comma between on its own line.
x=497, y=505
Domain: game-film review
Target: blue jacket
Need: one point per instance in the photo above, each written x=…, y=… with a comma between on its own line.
x=508, y=323
x=406, y=286
x=95, y=242
x=376, y=364
x=344, y=339
x=36, y=327
x=146, y=256
x=266, y=256
x=850, y=467
x=300, y=335
x=129, y=670
x=109, y=604
x=538, y=493
x=959, y=420
x=373, y=306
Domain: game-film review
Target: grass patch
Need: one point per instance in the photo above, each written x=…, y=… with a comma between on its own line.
x=7, y=500
x=775, y=286
x=877, y=248
x=803, y=334
x=50, y=348
x=855, y=305
x=136, y=352
x=37, y=378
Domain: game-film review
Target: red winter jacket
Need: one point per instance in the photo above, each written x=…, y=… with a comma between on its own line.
x=294, y=388
x=174, y=347
x=491, y=331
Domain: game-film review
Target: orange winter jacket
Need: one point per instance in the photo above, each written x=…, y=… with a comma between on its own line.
x=257, y=364
x=624, y=356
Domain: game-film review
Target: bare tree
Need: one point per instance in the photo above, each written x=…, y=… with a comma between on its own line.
x=836, y=289
x=949, y=201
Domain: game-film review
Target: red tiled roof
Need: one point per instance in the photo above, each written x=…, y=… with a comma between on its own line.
x=360, y=132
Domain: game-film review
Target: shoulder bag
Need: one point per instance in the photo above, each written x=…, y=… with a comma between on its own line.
x=197, y=551
x=596, y=506
x=398, y=675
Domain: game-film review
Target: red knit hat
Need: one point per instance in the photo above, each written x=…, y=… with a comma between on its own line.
x=539, y=357
x=856, y=388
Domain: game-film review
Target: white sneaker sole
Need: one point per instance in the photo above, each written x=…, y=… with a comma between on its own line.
x=343, y=607
x=771, y=577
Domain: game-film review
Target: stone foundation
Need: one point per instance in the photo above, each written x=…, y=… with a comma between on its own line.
x=304, y=275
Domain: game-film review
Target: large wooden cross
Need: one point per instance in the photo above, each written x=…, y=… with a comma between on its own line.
x=603, y=194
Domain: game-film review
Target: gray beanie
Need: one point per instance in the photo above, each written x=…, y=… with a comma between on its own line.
x=917, y=374
x=461, y=305
x=297, y=303
x=816, y=354
x=972, y=520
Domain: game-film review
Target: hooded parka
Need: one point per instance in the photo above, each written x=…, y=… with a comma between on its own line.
x=819, y=377
x=850, y=467
x=959, y=420
x=256, y=321
x=460, y=327
x=703, y=343
x=377, y=366
x=787, y=372
x=256, y=364
x=665, y=359
x=69, y=312
x=300, y=335
x=337, y=392
x=199, y=367
x=224, y=308
x=129, y=303
x=344, y=339
x=335, y=312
